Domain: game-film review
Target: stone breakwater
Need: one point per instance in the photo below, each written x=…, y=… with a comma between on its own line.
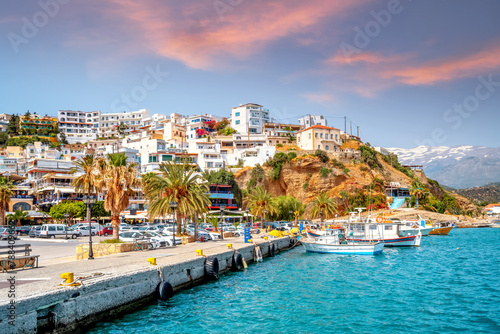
x=49, y=308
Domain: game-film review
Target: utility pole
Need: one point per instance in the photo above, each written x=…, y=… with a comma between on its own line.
x=358, y=132
x=351, y=127
x=345, y=128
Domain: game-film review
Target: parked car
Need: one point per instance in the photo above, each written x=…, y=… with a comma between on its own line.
x=107, y=230
x=84, y=230
x=168, y=236
x=131, y=236
x=34, y=231
x=56, y=230
x=4, y=233
x=23, y=230
x=157, y=239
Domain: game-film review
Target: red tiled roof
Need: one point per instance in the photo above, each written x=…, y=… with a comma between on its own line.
x=320, y=127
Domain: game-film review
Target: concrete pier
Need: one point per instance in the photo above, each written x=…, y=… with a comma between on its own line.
x=42, y=306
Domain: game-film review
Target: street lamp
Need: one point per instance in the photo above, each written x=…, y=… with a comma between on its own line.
x=247, y=211
x=321, y=217
x=89, y=201
x=173, y=206
x=222, y=207
x=290, y=215
x=66, y=215
x=265, y=217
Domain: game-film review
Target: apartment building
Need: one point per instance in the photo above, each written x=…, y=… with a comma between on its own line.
x=310, y=120
x=200, y=126
x=153, y=122
x=131, y=120
x=79, y=126
x=249, y=118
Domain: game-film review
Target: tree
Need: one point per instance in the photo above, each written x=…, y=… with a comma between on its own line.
x=325, y=204
x=118, y=177
x=6, y=190
x=17, y=216
x=176, y=183
x=225, y=177
x=72, y=208
x=259, y=201
x=87, y=183
x=121, y=128
x=27, y=114
x=63, y=139
x=284, y=205
x=98, y=211
x=416, y=190
x=13, y=126
x=3, y=138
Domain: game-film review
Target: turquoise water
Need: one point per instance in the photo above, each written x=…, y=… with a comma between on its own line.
x=450, y=284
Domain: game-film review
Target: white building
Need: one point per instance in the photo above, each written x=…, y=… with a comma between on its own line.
x=310, y=120
x=249, y=117
x=132, y=119
x=39, y=150
x=199, y=123
x=79, y=126
x=154, y=121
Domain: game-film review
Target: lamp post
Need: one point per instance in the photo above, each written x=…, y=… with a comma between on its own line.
x=222, y=207
x=89, y=201
x=290, y=215
x=247, y=211
x=66, y=215
x=265, y=217
x=173, y=206
x=321, y=217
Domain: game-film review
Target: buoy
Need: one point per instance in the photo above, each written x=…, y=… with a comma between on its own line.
x=257, y=254
x=245, y=266
x=152, y=260
x=212, y=268
x=165, y=291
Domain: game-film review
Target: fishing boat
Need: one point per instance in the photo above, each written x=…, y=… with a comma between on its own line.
x=420, y=224
x=442, y=228
x=336, y=243
x=390, y=233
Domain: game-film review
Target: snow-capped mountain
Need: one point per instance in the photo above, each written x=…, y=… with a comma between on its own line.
x=458, y=166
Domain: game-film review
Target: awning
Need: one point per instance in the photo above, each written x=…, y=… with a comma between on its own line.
x=65, y=190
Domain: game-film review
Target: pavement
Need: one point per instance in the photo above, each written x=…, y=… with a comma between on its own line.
x=47, y=276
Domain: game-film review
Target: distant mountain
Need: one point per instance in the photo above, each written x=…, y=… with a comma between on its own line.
x=458, y=167
x=489, y=193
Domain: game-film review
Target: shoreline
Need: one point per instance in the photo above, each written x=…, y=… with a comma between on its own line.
x=41, y=305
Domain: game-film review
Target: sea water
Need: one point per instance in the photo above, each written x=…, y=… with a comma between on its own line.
x=450, y=284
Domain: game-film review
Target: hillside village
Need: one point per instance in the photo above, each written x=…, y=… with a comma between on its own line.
x=299, y=160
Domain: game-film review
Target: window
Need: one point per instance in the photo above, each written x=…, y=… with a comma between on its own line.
x=321, y=135
x=309, y=135
x=327, y=148
x=331, y=136
x=237, y=114
x=166, y=158
x=60, y=228
x=316, y=135
x=336, y=137
x=237, y=122
x=52, y=228
x=319, y=148
x=152, y=158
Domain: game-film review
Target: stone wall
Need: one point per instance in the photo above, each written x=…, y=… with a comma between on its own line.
x=82, y=251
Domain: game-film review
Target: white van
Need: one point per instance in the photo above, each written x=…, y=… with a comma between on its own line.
x=56, y=230
x=83, y=230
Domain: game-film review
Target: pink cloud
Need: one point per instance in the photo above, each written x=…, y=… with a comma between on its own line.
x=201, y=38
x=446, y=69
x=365, y=57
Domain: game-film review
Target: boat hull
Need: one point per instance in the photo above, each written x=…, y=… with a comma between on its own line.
x=441, y=231
x=409, y=241
x=348, y=249
x=426, y=230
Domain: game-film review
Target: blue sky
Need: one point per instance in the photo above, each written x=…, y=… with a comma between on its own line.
x=398, y=69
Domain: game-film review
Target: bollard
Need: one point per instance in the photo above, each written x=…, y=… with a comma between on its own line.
x=199, y=252
x=68, y=277
x=229, y=246
x=152, y=260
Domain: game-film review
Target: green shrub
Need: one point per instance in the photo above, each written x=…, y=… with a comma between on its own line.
x=111, y=241
x=337, y=164
x=279, y=145
x=346, y=171
x=291, y=156
x=305, y=185
x=323, y=171
x=322, y=155
x=275, y=173
x=363, y=169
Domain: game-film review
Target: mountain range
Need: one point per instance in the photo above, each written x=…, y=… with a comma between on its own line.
x=458, y=167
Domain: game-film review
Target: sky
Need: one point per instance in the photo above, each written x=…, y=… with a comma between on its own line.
x=408, y=73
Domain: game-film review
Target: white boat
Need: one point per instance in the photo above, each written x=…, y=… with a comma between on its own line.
x=420, y=224
x=337, y=244
x=389, y=233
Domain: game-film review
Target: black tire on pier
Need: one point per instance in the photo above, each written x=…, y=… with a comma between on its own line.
x=164, y=291
x=272, y=250
x=237, y=262
x=74, y=236
x=212, y=268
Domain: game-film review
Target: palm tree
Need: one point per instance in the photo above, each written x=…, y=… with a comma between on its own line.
x=6, y=190
x=416, y=190
x=325, y=204
x=259, y=201
x=87, y=182
x=121, y=128
x=118, y=177
x=17, y=216
x=176, y=183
